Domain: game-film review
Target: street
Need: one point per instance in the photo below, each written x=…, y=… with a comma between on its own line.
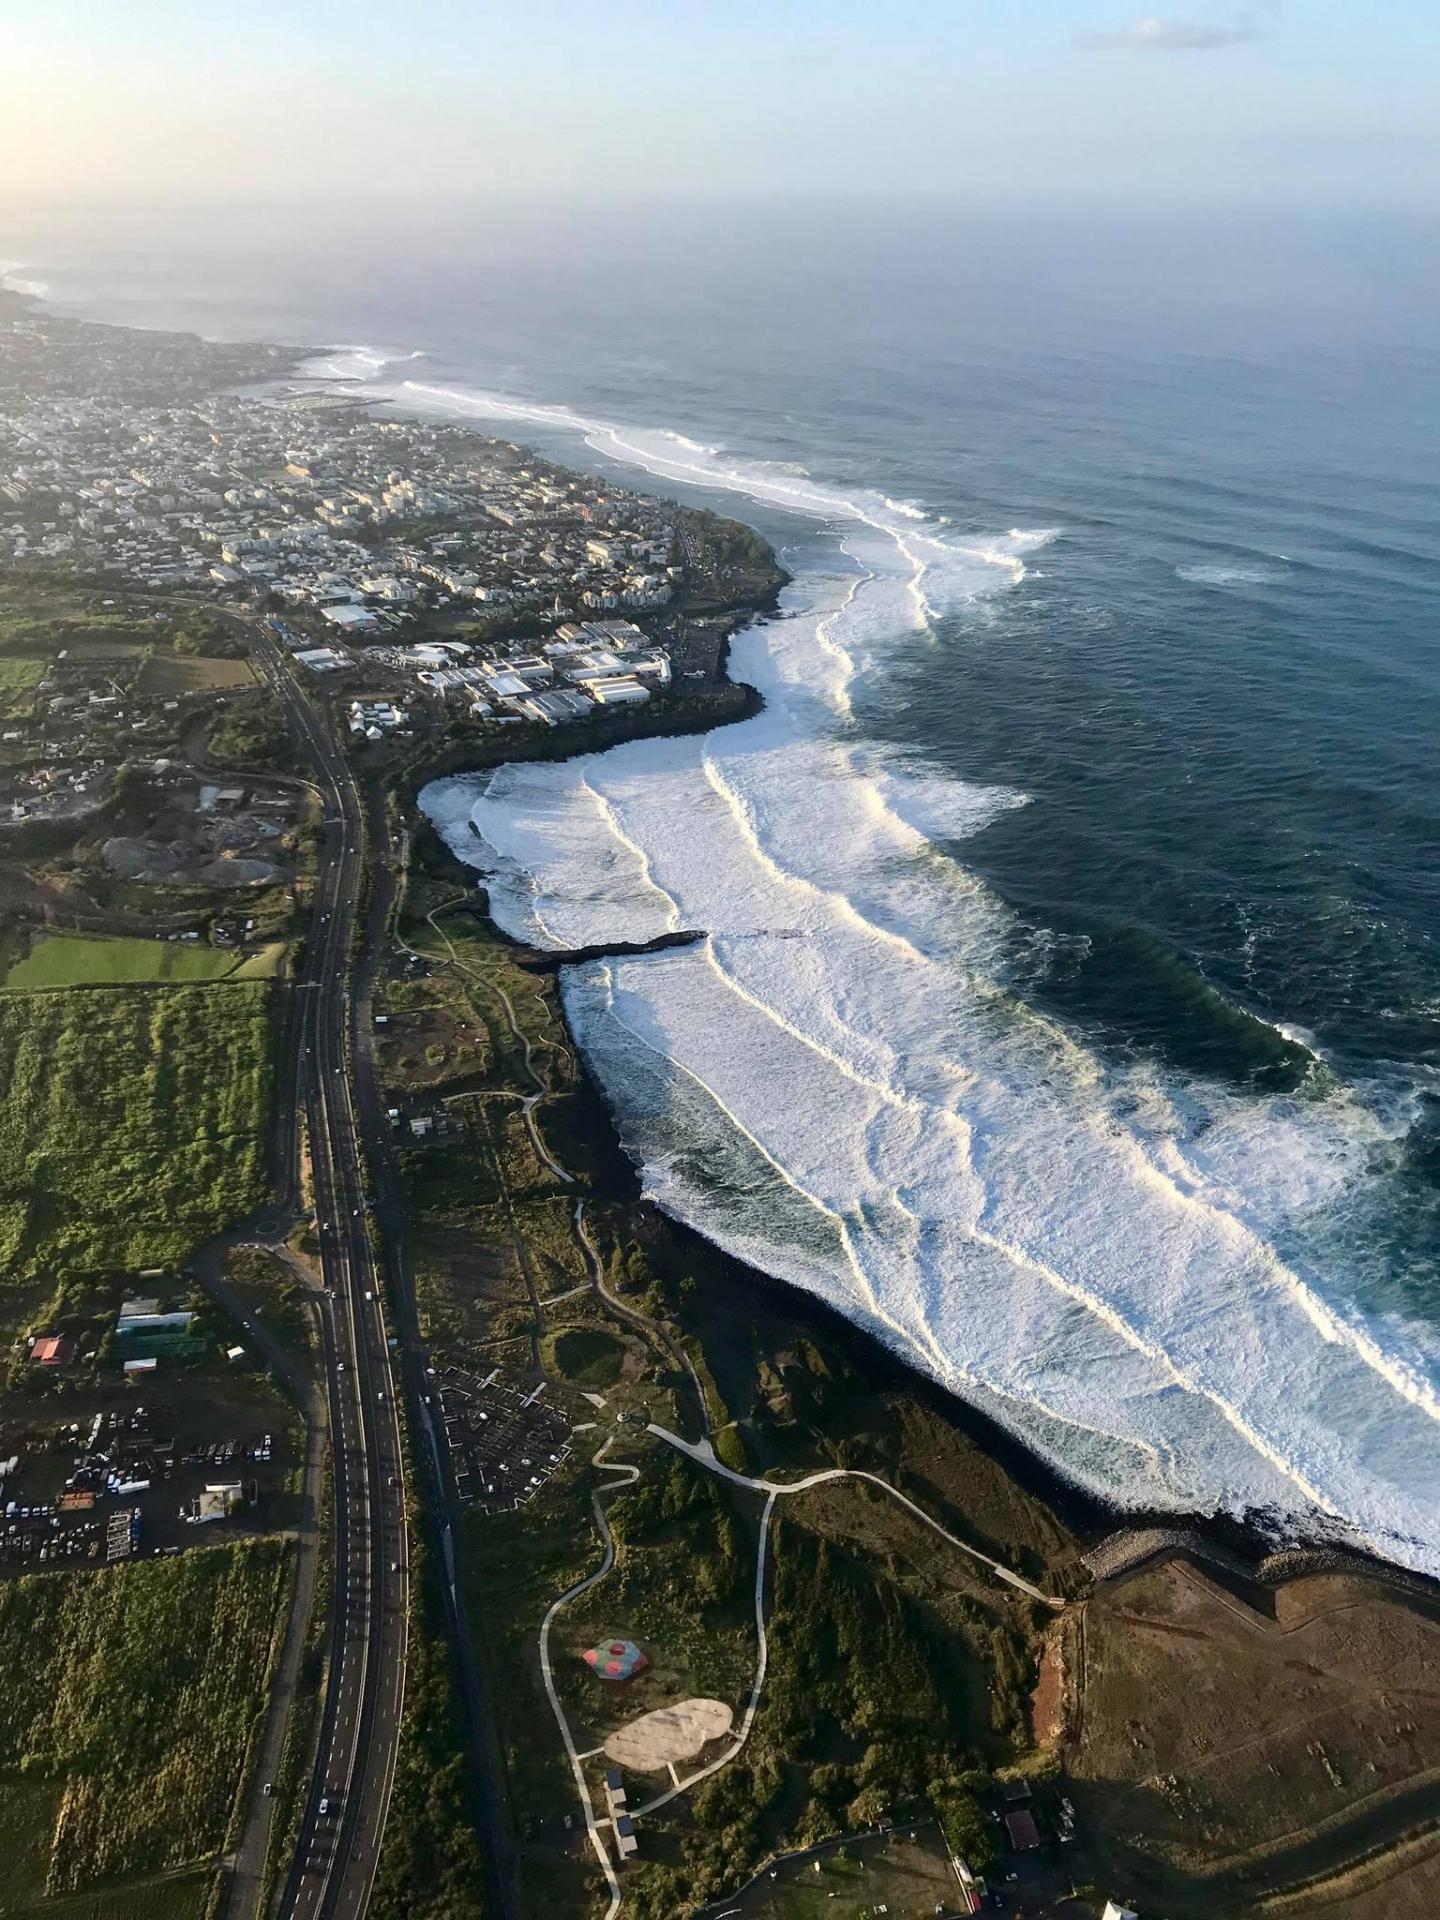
x=343, y=1821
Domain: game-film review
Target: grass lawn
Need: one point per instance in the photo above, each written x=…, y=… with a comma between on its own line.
x=96, y=960
x=266, y=963
x=101, y=960
x=903, y=1878
x=135, y=1123
x=129, y=1736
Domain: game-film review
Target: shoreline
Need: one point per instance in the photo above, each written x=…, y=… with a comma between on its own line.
x=1242, y=1549
x=1000, y=1441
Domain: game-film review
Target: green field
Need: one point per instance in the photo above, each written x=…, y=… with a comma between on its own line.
x=126, y=1716
x=134, y=1124
x=101, y=960
x=586, y=1355
x=19, y=677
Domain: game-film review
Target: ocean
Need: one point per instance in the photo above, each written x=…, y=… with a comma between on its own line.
x=1068, y=1016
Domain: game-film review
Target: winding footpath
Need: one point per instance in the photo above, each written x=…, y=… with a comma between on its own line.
x=703, y=1453
x=628, y=1475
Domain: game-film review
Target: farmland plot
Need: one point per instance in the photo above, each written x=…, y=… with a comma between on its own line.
x=138, y=1716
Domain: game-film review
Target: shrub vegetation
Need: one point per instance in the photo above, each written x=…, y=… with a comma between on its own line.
x=133, y=1125
x=126, y=1724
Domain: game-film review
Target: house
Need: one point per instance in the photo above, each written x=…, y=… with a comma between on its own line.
x=1114, y=1911
x=219, y=1500
x=52, y=1350
x=1024, y=1834
x=139, y=1366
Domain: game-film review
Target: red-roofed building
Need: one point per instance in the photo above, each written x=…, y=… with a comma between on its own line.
x=53, y=1350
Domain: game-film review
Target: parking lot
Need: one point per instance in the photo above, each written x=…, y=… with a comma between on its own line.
x=132, y=1477
x=506, y=1438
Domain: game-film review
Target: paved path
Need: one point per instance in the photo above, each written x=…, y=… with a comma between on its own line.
x=628, y=1476
x=704, y=1453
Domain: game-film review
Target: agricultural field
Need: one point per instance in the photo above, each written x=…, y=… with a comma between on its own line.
x=124, y=1728
x=134, y=1124
x=102, y=960
x=172, y=676
x=19, y=676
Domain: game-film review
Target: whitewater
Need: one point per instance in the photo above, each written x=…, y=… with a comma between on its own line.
x=843, y=1085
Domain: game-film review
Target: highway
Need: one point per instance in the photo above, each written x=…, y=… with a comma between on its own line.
x=343, y=1823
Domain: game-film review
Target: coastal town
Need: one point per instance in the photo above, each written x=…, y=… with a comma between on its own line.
x=459, y=574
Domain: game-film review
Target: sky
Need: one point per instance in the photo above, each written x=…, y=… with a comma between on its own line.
x=318, y=104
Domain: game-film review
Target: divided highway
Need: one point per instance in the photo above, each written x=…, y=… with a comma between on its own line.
x=343, y=1822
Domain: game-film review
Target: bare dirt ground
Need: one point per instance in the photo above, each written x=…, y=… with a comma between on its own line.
x=669, y=1734
x=1224, y=1753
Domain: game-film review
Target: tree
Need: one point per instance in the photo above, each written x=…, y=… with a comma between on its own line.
x=968, y=1834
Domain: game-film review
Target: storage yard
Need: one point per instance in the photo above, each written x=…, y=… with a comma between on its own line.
x=181, y=1467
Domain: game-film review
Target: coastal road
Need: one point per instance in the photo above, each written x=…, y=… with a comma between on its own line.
x=343, y=1821
x=434, y=1480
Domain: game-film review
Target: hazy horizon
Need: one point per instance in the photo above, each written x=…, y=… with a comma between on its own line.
x=1076, y=100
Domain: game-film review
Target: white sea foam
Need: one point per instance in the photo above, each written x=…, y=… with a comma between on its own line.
x=842, y=1086
x=354, y=363
x=1233, y=574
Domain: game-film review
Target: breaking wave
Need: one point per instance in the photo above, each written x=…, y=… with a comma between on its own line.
x=15, y=277
x=843, y=1086
x=358, y=364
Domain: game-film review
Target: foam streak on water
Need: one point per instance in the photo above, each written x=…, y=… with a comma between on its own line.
x=841, y=1086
